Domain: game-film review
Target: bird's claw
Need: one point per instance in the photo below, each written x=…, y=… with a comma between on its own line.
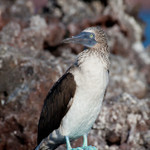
x=78, y=148
x=85, y=148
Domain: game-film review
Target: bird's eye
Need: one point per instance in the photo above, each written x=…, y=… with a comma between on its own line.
x=91, y=35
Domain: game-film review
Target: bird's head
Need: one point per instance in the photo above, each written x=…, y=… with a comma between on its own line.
x=92, y=37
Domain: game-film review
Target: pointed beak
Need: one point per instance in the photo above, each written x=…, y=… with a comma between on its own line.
x=75, y=39
x=82, y=38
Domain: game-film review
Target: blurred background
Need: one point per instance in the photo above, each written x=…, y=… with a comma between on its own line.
x=32, y=58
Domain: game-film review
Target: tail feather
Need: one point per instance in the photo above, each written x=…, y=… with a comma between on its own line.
x=51, y=142
x=46, y=146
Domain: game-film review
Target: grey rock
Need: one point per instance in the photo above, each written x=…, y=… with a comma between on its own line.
x=32, y=58
x=125, y=77
x=123, y=122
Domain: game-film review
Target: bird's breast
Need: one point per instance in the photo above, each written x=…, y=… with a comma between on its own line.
x=91, y=81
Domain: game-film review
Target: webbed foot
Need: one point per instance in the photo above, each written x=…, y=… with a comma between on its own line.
x=89, y=148
x=85, y=148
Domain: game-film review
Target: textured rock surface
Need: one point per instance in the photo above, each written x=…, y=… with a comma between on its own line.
x=123, y=123
x=125, y=77
x=32, y=58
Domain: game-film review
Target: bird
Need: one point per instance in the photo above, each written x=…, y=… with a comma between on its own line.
x=75, y=100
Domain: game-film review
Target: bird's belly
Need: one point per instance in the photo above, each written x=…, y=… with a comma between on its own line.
x=80, y=119
x=86, y=105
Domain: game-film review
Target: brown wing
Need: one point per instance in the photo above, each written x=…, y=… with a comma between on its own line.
x=55, y=105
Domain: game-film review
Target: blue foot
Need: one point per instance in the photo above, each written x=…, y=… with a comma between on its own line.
x=89, y=148
x=68, y=143
x=78, y=148
x=85, y=148
x=85, y=141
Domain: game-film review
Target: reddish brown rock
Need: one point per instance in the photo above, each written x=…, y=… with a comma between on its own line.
x=26, y=82
x=118, y=124
x=56, y=32
x=32, y=58
x=33, y=37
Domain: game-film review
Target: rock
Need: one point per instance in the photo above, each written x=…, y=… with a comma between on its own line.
x=125, y=77
x=144, y=63
x=10, y=32
x=38, y=23
x=39, y=4
x=32, y=58
x=2, y=21
x=118, y=123
x=25, y=83
x=76, y=11
x=33, y=37
x=20, y=9
x=56, y=33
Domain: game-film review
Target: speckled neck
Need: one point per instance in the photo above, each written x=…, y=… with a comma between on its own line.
x=102, y=53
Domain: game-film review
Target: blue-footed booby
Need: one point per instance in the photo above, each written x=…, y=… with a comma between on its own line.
x=74, y=102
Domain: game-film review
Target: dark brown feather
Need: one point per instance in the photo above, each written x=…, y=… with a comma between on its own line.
x=56, y=105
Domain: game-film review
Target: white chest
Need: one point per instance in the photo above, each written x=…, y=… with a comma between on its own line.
x=91, y=80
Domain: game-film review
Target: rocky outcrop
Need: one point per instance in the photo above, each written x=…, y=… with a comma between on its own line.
x=32, y=58
x=122, y=124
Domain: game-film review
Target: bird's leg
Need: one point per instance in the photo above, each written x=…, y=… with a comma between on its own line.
x=85, y=141
x=68, y=143
x=85, y=144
